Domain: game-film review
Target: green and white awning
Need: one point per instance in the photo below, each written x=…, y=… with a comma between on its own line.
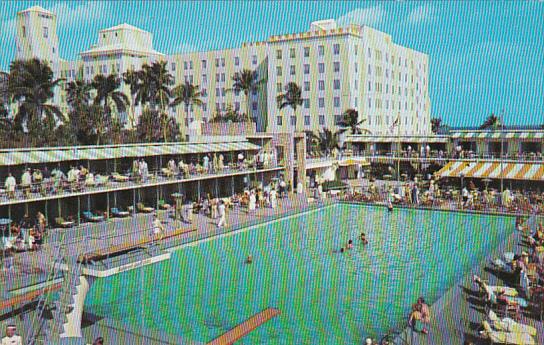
x=523, y=135
x=81, y=153
x=431, y=139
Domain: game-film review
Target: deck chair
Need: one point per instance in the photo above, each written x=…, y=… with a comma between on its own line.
x=64, y=223
x=163, y=205
x=511, y=338
x=89, y=216
x=118, y=213
x=494, y=289
x=119, y=178
x=140, y=207
x=509, y=325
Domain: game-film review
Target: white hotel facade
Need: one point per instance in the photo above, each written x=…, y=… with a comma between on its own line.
x=337, y=69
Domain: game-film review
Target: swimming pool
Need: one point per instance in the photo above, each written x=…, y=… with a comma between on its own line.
x=324, y=297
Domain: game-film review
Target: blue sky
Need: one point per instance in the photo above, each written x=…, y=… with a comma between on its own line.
x=484, y=56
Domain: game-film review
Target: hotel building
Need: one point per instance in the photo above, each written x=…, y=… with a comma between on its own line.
x=337, y=68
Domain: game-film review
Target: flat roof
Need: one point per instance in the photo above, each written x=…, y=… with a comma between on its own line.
x=430, y=139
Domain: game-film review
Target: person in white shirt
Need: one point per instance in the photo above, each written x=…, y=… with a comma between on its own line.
x=11, y=338
x=10, y=185
x=273, y=198
x=252, y=201
x=222, y=214
x=158, y=228
x=26, y=182
x=206, y=163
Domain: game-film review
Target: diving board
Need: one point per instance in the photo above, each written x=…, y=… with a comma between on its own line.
x=245, y=327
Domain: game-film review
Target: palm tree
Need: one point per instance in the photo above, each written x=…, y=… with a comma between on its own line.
x=78, y=94
x=31, y=83
x=132, y=79
x=436, y=124
x=187, y=94
x=350, y=120
x=326, y=140
x=492, y=121
x=247, y=81
x=292, y=97
x=107, y=96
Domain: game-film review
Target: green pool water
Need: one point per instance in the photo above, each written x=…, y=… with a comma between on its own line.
x=324, y=297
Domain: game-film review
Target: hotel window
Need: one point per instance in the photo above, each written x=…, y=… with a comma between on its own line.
x=254, y=58
x=386, y=57
x=254, y=106
x=279, y=121
x=278, y=54
x=337, y=119
x=223, y=106
x=369, y=70
x=336, y=49
x=306, y=120
x=336, y=67
x=45, y=32
x=204, y=107
x=185, y=65
x=292, y=53
x=306, y=86
x=356, y=85
x=254, y=92
x=307, y=103
x=204, y=92
x=356, y=102
x=386, y=104
x=337, y=102
x=321, y=102
x=293, y=120
x=236, y=61
x=105, y=69
x=292, y=69
x=53, y=50
x=306, y=69
x=190, y=65
x=222, y=76
x=356, y=49
x=204, y=78
x=203, y=63
x=306, y=51
x=191, y=79
x=112, y=68
x=336, y=84
x=217, y=76
x=87, y=70
x=386, y=88
x=321, y=120
x=356, y=67
x=321, y=67
x=217, y=106
x=217, y=92
x=216, y=62
x=236, y=106
x=24, y=31
x=237, y=92
x=369, y=103
x=223, y=62
x=369, y=55
x=278, y=71
x=321, y=85
x=369, y=86
x=279, y=87
x=320, y=50
x=387, y=73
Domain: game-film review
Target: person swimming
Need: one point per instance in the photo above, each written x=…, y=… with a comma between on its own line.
x=342, y=250
x=350, y=245
x=363, y=238
x=249, y=259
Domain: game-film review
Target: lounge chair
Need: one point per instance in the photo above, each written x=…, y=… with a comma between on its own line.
x=64, y=223
x=89, y=216
x=492, y=289
x=115, y=212
x=163, y=205
x=500, y=337
x=119, y=178
x=509, y=325
x=140, y=207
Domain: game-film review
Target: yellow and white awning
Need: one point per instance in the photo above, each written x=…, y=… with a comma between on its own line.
x=493, y=170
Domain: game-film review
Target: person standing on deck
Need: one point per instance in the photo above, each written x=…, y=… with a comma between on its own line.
x=273, y=198
x=26, y=182
x=158, y=228
x=10, y=185
x=252, y=201
x=135, y=170
x=206, y=164
x=11, y=338
x=222, y=214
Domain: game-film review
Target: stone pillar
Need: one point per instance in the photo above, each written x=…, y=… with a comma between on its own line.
x=300, y=147
x=72, y=328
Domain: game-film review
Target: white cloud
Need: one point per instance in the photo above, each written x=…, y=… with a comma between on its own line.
x=363, y=16
x=68, y=15
x=421, y=14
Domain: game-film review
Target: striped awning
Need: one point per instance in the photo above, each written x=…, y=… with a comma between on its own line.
x=494, y=170
x=524, y=135
x=393, y=139
x=52, y=155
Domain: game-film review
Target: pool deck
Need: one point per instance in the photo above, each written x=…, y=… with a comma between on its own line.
x=457, y=315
